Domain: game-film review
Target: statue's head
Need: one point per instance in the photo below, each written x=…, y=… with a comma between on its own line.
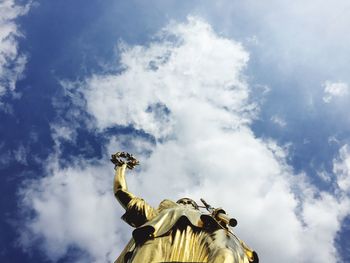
x=187, y=201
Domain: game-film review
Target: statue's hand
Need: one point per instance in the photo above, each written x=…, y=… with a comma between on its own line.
x=121, y=158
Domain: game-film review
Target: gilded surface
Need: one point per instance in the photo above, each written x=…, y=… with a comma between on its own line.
x=175, y=232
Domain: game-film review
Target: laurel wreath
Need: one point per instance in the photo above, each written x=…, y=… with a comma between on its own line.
x=121, y=158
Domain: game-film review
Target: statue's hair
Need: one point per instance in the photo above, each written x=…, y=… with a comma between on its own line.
x=187, y=200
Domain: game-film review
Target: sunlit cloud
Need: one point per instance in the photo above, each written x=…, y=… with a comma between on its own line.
x=278, y=120
x=342, y=169
x=334, y=89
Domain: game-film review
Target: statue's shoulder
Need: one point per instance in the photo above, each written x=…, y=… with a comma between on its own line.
x=165, y=204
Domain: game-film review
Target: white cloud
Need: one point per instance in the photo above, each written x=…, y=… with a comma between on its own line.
x=342, y=169
x=165, y=76
x=333, y=140
x=12, y=62
x=187, y=89
x=334, y=89
x=18, y=154
x=278, y=120
x=62, y=132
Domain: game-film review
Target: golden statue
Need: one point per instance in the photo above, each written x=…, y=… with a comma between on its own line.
x=175, y=232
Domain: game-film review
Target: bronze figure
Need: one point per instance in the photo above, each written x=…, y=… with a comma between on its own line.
x=175, y=231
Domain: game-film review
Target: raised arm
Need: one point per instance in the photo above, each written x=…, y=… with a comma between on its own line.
x=120, y=187
x=137, y=211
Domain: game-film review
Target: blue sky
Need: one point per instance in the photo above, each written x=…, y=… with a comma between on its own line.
x=242, y=103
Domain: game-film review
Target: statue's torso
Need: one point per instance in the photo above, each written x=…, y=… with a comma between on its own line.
x=176, y=233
